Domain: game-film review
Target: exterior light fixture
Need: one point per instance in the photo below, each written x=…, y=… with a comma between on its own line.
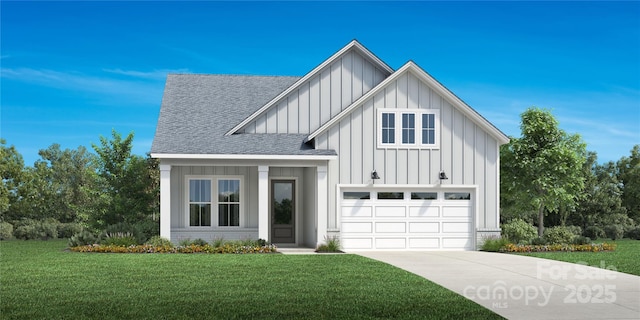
x=374, y=175
x=443, y=176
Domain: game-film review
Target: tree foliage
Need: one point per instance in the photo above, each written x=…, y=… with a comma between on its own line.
x=542, y=170
x=629, y=175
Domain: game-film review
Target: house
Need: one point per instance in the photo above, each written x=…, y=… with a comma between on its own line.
x=381, y=158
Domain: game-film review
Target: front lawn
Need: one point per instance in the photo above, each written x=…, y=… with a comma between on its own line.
x=39, y=280
x=624, y=259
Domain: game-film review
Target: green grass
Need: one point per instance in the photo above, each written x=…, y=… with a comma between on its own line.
x=624, y=259
x=39, y=280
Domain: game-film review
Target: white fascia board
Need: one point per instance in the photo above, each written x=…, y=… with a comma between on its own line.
x=432, y=83
x=308, y=76
x=240, y=156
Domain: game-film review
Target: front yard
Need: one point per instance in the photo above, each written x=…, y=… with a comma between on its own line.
x=39, y=280
x=624, y=259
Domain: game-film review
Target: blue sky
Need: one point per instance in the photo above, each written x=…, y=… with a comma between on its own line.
x=72, y=71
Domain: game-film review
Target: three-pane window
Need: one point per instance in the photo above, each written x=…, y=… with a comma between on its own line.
x=408, y=128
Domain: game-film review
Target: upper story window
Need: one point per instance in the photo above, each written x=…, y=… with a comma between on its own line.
x=416, y=128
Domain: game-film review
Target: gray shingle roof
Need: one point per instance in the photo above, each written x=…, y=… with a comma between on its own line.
x=197, y=111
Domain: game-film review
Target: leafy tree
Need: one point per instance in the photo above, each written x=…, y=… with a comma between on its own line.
x=11, y=173
x=543, y=168
x=629, y=175
x=128, y=183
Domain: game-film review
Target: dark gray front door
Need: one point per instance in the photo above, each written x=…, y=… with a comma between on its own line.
x=283, y=213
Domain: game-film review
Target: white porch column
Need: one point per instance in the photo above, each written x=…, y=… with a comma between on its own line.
x=165, y=201
x=323, y=184
x=263, y=203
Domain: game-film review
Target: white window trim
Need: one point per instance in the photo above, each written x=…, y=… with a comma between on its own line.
x=214, y=201
x=418, y=129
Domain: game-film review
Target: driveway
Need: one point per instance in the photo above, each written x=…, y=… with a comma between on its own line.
x=519, y=287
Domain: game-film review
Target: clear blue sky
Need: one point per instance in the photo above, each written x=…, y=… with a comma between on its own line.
x=72, y=71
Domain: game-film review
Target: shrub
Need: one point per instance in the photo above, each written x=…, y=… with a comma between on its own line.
x=185, y=242
x=332, y=245
x=538, y=241
x=67, y=230
x=558, y=235
x=581, y=240
x=614, y=231
x=119, y=239
x=147, y=228
x=633, y=233
x=6, y=230
x=519, y=231
x=217, y=242
x=199, y=242
x=158, y=241
x=82, y=238
x=124, y=227
x=494, y=244
x=576, y=230
x=594, y=232
x=32, y=229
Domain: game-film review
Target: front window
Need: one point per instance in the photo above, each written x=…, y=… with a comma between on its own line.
x=200, y=203
x=408, y=128
x=229, y=203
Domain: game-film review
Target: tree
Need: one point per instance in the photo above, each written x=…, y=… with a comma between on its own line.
x=543, y=168
x=629, y=175
x=128, y=182
x=11, y=174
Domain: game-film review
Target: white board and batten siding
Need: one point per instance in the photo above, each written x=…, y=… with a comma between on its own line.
x=467, y=153
x=321, y=98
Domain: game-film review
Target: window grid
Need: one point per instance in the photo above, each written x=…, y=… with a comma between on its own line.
x=388, y=128
x=228, y=202
x=408, y=128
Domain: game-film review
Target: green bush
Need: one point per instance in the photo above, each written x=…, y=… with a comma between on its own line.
x=158, y=241
x=67, y=230
x=332, y=244
x=576, y=230
x=558, y=235
x=120, y=239
x=594, y=232
x=29, y=229
x=6, y=230
x=82, y=238
x=148, y=228
x=217, y=242
x=494, y=244
x=614, y=231
x=519, y=231
x=581, y=240
x=633, y=233
x=199, y=242
x=539, y=241
x=124, y=227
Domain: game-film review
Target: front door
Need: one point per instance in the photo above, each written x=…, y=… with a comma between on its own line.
x=283, y=214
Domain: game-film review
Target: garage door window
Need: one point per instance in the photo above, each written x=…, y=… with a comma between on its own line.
x=424, y=195
x=356, y=195
x=390, y=195
x=457, y=196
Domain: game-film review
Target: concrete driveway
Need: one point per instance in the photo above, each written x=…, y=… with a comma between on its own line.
x=519, y=287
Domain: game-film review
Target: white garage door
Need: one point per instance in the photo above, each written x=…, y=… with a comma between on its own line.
x=407, y=220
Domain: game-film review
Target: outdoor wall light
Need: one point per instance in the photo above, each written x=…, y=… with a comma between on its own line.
x=374, y=175
x=443, y=176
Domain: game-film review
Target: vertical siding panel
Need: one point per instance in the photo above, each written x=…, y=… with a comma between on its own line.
x=390, y=95
x=480, y=173
x=322, y=142
x=358, y=80
x=368, y=140
x=345, y=150
x=293, y=108
x=447, y=140
x=390, y=175
x=413, y=92
x=357, y=166
x=346, y=80
x=492, y=187
x=261, y=124
x=272, y=121
x=336, y=88
x=333, y=174
x=424, y=97
x=314, y=104
x=282, y=123
x=403, y=91
x=325, y=95
x=414, y=167
x=402, y=166
x=368, y=74
x=468, y=154
x=304, y=118
x=378, y=76
x=424, y=166
x=457, y=171
x=379, y=154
